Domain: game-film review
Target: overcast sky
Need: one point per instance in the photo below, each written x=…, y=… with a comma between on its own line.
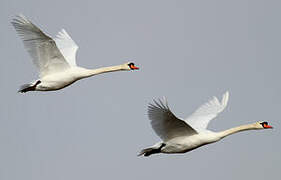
x=187, y=51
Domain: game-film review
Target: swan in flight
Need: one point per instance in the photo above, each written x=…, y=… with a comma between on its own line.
x=55, y=58
x=180, y=136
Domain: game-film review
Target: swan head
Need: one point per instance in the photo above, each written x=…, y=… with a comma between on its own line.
x=263, y=125
x=130, y=66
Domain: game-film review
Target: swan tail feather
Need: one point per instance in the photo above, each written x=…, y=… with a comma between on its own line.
x=151, y=150
x=26, y=87
x=29, y=87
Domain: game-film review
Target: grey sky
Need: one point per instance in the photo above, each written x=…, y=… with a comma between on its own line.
x=188, y=51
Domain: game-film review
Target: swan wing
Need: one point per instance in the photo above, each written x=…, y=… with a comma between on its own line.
x=165, y=123
x=200, y=119
x=67, y=47
x=43, y=50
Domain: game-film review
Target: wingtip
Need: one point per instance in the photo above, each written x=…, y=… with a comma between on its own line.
x=225, y=98
x=63, y=34
x=20, y=16
x=162, y=103
x=227, y=93
x=19, y=19
x=166, y=102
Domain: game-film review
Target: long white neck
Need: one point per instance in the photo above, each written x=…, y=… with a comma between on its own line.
x=230, y=131
x=92, y=72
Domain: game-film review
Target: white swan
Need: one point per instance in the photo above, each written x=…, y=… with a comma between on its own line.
x=55, y=58
x=180, y=136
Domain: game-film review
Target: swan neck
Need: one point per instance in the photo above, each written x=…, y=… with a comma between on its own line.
x=92, y=72
x=230, y=131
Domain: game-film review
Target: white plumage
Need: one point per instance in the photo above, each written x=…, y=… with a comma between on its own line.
x=200, y=119
x=180, y=136
x=55, y=58
x=42, y=49
x=166, y=125
x=67, y=47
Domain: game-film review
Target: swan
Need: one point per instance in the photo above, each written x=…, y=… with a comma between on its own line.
x=180, y=136
x=55, y=58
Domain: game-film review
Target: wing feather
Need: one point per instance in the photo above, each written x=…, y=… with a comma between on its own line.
x=67, y=47
x=42, y=49
x=200, y=119
x=165, y=124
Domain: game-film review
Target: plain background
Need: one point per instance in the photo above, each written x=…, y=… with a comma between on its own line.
x=187, y=51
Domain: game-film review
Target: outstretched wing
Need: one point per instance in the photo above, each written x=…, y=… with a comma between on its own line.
x=165, y=123
x=200, y=119
x=67, y=47
x=42, y=49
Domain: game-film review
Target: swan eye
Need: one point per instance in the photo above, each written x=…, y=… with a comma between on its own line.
x=265, y=125
x=132, y=66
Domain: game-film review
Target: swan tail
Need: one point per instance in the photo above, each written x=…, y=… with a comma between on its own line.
x=28, y=87
x=148, y=151
x=151, y=150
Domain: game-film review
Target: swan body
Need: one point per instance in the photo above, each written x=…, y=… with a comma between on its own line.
x=180, y=136
x=55, y=58
x=188, y=143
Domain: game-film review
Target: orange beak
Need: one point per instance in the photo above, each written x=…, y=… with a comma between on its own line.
x=267, y=126
x=134, y=67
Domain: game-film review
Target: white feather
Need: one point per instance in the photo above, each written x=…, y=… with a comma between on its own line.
x=179, y=136
x=200, y=119
x=165, y=123
x=43, y=50
x=55, y=58
x=67, y=47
